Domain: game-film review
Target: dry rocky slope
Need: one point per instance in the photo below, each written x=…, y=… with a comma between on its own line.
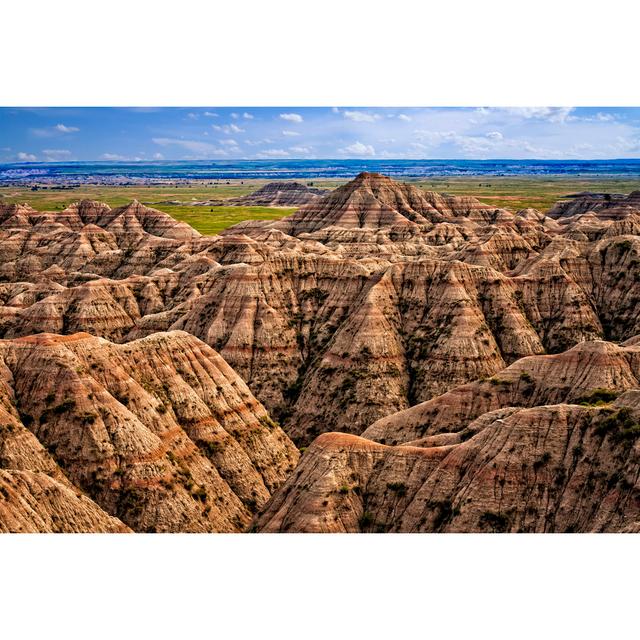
x=543, y=447
x=158, y=434
x=361, y=313
x=365, y=302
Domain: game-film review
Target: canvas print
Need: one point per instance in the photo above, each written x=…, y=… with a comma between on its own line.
x=327, y=319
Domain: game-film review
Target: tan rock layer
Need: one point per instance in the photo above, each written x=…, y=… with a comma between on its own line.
x=160, y=432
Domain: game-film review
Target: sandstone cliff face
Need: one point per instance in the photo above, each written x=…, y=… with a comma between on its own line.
x=160, y=433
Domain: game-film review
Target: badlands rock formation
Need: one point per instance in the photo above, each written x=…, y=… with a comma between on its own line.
x=280, y=194
x=556, y=468
x=541, y=447
x=377, y=310
x=158, y=434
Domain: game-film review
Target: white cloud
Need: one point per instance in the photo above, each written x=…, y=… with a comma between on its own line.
x=192, y=116
x=53, y=155
x=404, y=118
x=494, y=135
x=158, y=156
x=235, y=116
x=303, y=150
x=26, y=157
x=359, y=149
x=62, y=128
x=247, y=116
x=361, y=116
x=229, y=142
x=551, y=114
x=291, y=117
x=114, y=157
x=228, y=128
x=58, y=129
x=210, y=114
x=286, y=132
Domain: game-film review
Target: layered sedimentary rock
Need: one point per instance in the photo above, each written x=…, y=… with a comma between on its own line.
x=373, y=201
x=375, y=297
x=280, y=194
x=555, y=468
x=551, y=443
x=35, y=503
x=603, y=204
x=536, y=380
x=159, y=433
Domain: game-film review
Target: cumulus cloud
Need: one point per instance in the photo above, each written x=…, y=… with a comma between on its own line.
x=361, y=116
x=291, y=117
x=247, y=116
x=359, y=149
x=286, y=132
x=26, y=157
x=158, y=156
x=64, y=129
x=210, y=114
x=494, y=135
x=229, y=142
x=404, y=117
x=228, y=128
x=551, y=114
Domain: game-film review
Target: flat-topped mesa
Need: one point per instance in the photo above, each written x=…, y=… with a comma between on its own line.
x=607, y=206
x=374, y=201
x=280, y=194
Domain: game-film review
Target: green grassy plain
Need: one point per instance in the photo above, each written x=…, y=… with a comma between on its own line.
x=212, y=220
x=509, y=192
x=516, y=193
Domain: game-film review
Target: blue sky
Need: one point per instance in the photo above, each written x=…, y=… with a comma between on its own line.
x=63, y=134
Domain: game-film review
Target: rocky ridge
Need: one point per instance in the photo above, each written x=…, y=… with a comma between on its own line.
x=317, y=323
x=159, y=433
